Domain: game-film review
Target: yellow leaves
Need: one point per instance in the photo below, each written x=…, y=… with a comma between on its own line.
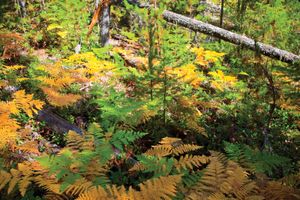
x=204, y=57
x=8, y=69
x=222, y=81
x=79, y=70
x=212, y=56
x=9, y=126
x=53, y=27
x=26, y=103
x=187, y=74
x=62, y=34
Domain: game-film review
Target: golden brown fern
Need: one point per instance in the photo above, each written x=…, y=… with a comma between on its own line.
x=277, y=191
x=74, y=141
x=214, y=176
x=170, y=145
x=98, y=193
x=224, y=179
x=154, y=189
x=80, y=186
x=237, y=183
x=159, y=151
x=4, y=178
x=190, y=161
x=48, y=183
x=184, y=148
x=160, y=188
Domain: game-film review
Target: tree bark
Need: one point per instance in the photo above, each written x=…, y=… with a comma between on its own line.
x=231, y=37
x=104, y=23
x=57, y=123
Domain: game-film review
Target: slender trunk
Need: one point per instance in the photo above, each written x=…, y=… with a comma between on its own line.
x=151, y=33
x=22, y=4
x=266, y=130
x=222, y=13
x=165, y=98
x=104, y=23
x=221, y=16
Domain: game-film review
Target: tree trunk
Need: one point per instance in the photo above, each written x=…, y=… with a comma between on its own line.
x=231, y=37
x=57, y=123
x=104, y=22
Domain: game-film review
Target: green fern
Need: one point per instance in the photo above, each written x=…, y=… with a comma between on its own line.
x=122, y=138
x=257, y=161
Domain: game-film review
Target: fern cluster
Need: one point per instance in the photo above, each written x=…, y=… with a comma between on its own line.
x=256, y=161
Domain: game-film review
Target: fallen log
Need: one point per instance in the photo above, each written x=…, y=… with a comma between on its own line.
x=231, y=37
x=57, y=123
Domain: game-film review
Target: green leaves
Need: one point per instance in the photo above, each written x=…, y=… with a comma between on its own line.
x=123, y=138
x=258, y=161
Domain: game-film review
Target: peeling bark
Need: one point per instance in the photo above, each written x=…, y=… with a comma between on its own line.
x=231, y=37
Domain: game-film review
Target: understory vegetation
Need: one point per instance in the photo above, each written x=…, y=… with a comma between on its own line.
x=157, y=112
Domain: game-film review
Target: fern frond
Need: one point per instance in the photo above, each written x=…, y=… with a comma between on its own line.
x=74, y=141
x=159, y=151
x=80, y=186
x=159, y=188
x=213, y=177
x=56, y=98
x=292, y=180
x=4, y=178
x=30, y=147
x=47, y=183
x=237, y=182
x=218, y=196
x=169, y=145
x=184, y=148
x=123, y=137
x=190, y=161
x=54, y=196
x=15, y=177
x=95, y=194
x=191, y=179
x=277, y=191
x=138, y=167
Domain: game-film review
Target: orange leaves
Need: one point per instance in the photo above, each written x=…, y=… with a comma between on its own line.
x=59, y=99
x=9, y=126
x=12, y=45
